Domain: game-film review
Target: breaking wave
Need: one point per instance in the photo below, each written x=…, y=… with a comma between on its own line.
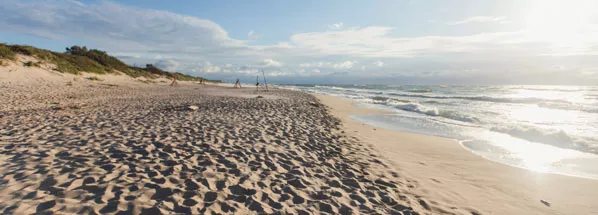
x=558, y=138
x=528, y=100
x=433, y=111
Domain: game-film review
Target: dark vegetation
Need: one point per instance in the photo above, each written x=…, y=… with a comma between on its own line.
x=78, y=59
x=30, y=64
x=94, y=78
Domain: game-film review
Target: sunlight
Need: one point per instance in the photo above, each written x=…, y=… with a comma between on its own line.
x=558, y=22
x=535, y=114
x=530, y=155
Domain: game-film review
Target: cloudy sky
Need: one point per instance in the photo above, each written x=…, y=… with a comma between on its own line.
x=340, y=41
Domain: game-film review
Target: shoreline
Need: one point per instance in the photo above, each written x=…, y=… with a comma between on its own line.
x=449, y=173
x=461, y=143
x=383, y=111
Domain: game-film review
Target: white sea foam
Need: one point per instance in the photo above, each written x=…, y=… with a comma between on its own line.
x=490, y=107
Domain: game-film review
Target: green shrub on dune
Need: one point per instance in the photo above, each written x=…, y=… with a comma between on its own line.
x=78, y=59
x=94, y=78
x=6, y=53
x=101, y=57
x=30, y=64
x=138, y=72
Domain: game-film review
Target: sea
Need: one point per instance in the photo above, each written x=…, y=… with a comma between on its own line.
x=551, y=129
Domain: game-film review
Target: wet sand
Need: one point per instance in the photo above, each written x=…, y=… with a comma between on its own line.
x=446, y=173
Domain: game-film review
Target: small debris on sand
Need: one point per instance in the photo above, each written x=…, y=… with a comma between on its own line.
x=72, y=106
x=259, y=97
x=545, y=203
x=192, y=108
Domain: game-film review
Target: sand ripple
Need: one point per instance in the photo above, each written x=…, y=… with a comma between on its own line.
x=139, y=150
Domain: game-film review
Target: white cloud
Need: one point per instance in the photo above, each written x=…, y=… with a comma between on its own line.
x=271, y=63
x=247, y=71
x=168, y=65
x=319, y=64
x=283, y=45
x=281, y=73
x=333, y=65
x=117, y=26
x=206, y=67
x=305, y=72
x=252, y=35
x=376, y=41
x=78, y=3
x=379, y=63
x=336, y=26
x=481, y=19
x=344, y=65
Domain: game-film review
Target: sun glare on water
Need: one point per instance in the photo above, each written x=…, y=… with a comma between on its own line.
x=534, y=149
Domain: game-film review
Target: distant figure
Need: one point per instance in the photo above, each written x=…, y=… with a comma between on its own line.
x=237, y=84
x=174, y=83
x=257, y=84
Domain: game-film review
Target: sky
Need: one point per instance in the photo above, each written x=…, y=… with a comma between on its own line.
x=327, y=42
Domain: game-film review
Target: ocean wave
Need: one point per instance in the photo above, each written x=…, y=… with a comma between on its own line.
x=528, y=100
x=380, y=98
x=418, y=108
x=433, y=111
x=387, y=100
x=420, y=91
x=349, y=90
x=555, y=89
x=558, y=138
x=432, y=102
x=569, y=106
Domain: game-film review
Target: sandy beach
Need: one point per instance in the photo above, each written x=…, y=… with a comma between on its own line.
x=445, y=172
x=299, y=107
x=73, y=145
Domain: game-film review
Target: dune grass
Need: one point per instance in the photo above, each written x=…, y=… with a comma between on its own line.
x=80, y=59
x=6, y=53
x=31, y=63
x=94, y=78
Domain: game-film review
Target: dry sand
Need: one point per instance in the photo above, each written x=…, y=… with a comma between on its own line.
x=445, y=173
x=75, y=146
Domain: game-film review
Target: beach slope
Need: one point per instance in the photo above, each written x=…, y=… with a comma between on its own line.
x=445, y=172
